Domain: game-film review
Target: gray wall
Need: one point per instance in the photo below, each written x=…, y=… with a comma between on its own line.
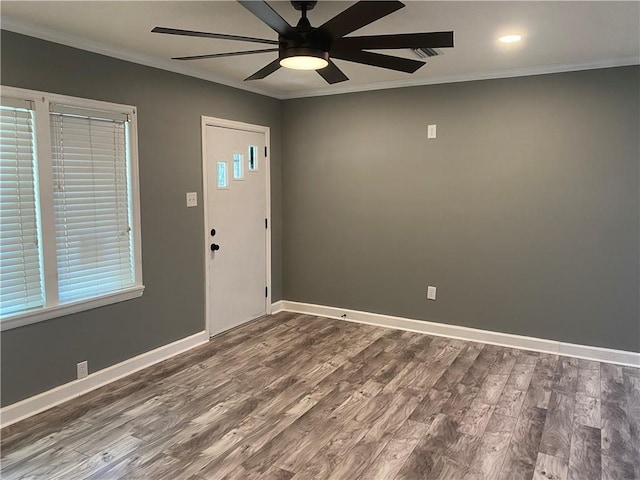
x=38, y=357
x=524, y=212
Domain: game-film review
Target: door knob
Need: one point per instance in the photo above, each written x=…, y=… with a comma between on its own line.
x=214, y=247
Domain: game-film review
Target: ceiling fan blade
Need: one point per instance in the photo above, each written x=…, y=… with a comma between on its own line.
x=220, y=36
x=265, y=71
x=332, y=74
x=227, y=54
x=379, y=60
x=403, y=40
x=359, y=15
x=268, y=15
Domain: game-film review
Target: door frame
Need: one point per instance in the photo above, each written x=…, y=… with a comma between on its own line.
x=232, y=124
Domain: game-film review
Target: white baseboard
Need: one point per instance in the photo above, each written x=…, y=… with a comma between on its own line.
x=277, y=307
x=599, y=354
x=43, y=401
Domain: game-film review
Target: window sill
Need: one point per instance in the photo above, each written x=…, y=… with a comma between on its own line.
x=61, y=310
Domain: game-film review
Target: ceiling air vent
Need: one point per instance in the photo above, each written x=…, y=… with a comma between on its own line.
x=423, y=53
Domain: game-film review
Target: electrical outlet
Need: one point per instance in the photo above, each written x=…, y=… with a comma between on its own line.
x=83, y=369
x=431, y=131
x=192, y=199
x=431, y=293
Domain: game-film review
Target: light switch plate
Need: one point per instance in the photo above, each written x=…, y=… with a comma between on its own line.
x=431, y=131
x=192, y=199
x=431, y=293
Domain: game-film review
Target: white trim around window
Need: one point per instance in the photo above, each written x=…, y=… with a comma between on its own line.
x=50, y=167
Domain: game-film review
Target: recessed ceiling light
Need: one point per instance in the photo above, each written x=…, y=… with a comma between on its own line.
x=510, y=38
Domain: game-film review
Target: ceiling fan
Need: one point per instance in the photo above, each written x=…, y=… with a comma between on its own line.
x=304, y=47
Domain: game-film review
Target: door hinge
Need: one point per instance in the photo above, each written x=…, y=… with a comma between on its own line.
x=265, y=151
x=266, y=292
x=266, y=223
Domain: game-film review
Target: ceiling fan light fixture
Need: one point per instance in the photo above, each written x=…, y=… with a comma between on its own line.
x=305, y=47
x=304, y=58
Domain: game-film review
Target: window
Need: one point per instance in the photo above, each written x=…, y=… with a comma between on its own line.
x=19, y=237
x=222, y=175
x=69, y=231
x=238, y=166
x=253, y=158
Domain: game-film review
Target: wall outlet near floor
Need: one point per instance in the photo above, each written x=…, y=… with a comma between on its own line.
x=83, y=369
x=431, y=293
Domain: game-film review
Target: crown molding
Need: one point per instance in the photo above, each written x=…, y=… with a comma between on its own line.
x=55, y=36
x=490, y=75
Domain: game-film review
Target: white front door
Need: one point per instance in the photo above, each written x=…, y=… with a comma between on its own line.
x=236, y=223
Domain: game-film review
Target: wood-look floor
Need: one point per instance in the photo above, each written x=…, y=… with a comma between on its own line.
x=300, y=397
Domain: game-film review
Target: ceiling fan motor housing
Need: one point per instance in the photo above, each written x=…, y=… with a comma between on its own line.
x=304, y=40
x=304, y=44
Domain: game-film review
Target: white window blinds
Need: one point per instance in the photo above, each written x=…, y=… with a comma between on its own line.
x=94, y=241
x=69, y=207
x=20, y=254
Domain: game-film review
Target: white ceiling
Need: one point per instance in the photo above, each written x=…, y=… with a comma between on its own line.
x=557, y=36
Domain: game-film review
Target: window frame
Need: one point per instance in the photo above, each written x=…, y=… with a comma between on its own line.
x=44, y=167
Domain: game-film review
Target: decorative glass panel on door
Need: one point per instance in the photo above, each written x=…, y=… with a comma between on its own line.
x=253, y=158
x=222, y=175
x=238, y=166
